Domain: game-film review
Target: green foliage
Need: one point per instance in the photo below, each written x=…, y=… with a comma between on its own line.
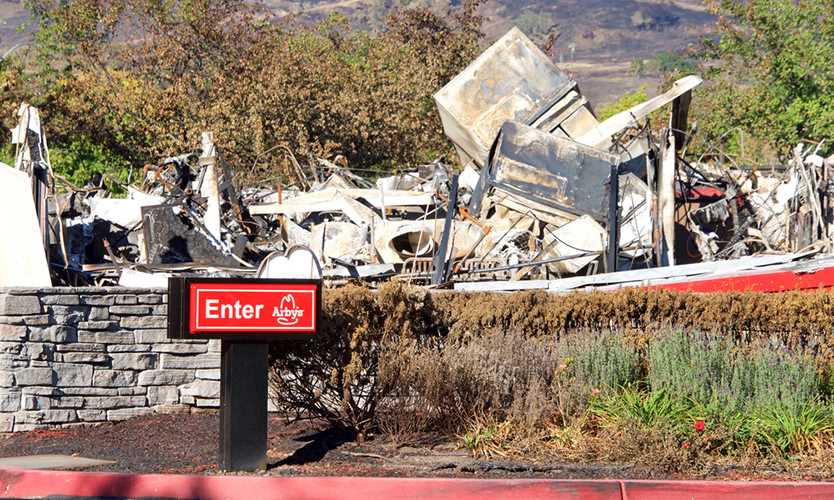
x=625, y=102
x=638, y=67
x=789, y=431
x=485, y=437
x=771, y=73
x=602, y=361
x=669, y=62
x=632, y=405
x=778, y=430
x=713, y=372
x=7, y=154
x=762, y=395
x=81, y=158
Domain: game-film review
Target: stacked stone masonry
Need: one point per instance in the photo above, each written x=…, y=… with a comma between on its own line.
x=72, y=356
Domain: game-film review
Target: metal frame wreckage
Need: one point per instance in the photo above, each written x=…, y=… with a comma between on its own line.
x=549, y=198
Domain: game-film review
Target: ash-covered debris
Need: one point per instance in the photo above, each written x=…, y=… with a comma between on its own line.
x=547, y=191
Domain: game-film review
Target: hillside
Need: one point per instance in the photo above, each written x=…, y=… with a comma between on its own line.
x=599, y=40
x=15, y=28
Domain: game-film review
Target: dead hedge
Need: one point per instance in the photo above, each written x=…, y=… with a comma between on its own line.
x=337, y=375
x=791, y=316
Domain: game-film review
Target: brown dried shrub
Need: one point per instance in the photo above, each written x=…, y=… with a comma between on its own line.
x=501, y=377
x=336, y=375
x=144, y=78
x=794, y=317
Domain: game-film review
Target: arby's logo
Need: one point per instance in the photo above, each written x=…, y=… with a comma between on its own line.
x=252, y=307
x=287, y=313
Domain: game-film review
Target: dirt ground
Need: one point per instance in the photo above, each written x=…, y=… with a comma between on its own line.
x=187, y=444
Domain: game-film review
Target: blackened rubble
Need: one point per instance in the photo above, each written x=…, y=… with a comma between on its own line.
x=546, y=192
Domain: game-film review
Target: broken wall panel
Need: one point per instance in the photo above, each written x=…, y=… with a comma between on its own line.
x=559, y=173
x=170, y=238
x=581, y=236
x=22, y=258
x=334, y=200
x=636, y=221
x=33, y=158
x=339, y=240
x=125, y=212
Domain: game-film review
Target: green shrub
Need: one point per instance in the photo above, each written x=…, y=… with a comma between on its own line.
x=601, y=360
x=759, y=395
x=716, y=372
x=770, y=74
x=81, y=158
x=634, y=406
x=788, y=430
x=625, y=102
x=669, y=62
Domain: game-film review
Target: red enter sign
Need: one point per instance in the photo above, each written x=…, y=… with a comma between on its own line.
x=259, y=308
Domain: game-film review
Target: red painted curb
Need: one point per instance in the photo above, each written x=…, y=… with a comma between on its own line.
x=35, y=484
x=27, y=484
x=735, y=490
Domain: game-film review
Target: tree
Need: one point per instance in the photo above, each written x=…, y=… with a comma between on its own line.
x=770, y=72
x=143, y=78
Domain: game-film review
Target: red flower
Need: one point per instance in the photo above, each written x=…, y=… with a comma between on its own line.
x=699, y=426
x=685, y=445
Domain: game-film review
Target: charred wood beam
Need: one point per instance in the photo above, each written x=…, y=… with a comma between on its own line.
x=441, y=261
x=613, y=219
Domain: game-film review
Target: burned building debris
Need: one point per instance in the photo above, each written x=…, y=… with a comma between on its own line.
x=548, y=197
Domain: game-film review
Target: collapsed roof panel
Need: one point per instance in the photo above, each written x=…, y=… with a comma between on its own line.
x=601, y=134
x=512, y=80
x=530, y=164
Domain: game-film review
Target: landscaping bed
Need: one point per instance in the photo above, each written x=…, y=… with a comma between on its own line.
x=631, y=384
x=679, y=383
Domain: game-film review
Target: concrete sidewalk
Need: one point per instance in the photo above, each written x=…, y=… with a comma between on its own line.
x=51, y=462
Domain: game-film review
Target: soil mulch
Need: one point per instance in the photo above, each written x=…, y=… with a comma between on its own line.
x=187, y=444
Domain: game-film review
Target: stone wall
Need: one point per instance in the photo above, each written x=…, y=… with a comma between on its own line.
x=84, y=355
